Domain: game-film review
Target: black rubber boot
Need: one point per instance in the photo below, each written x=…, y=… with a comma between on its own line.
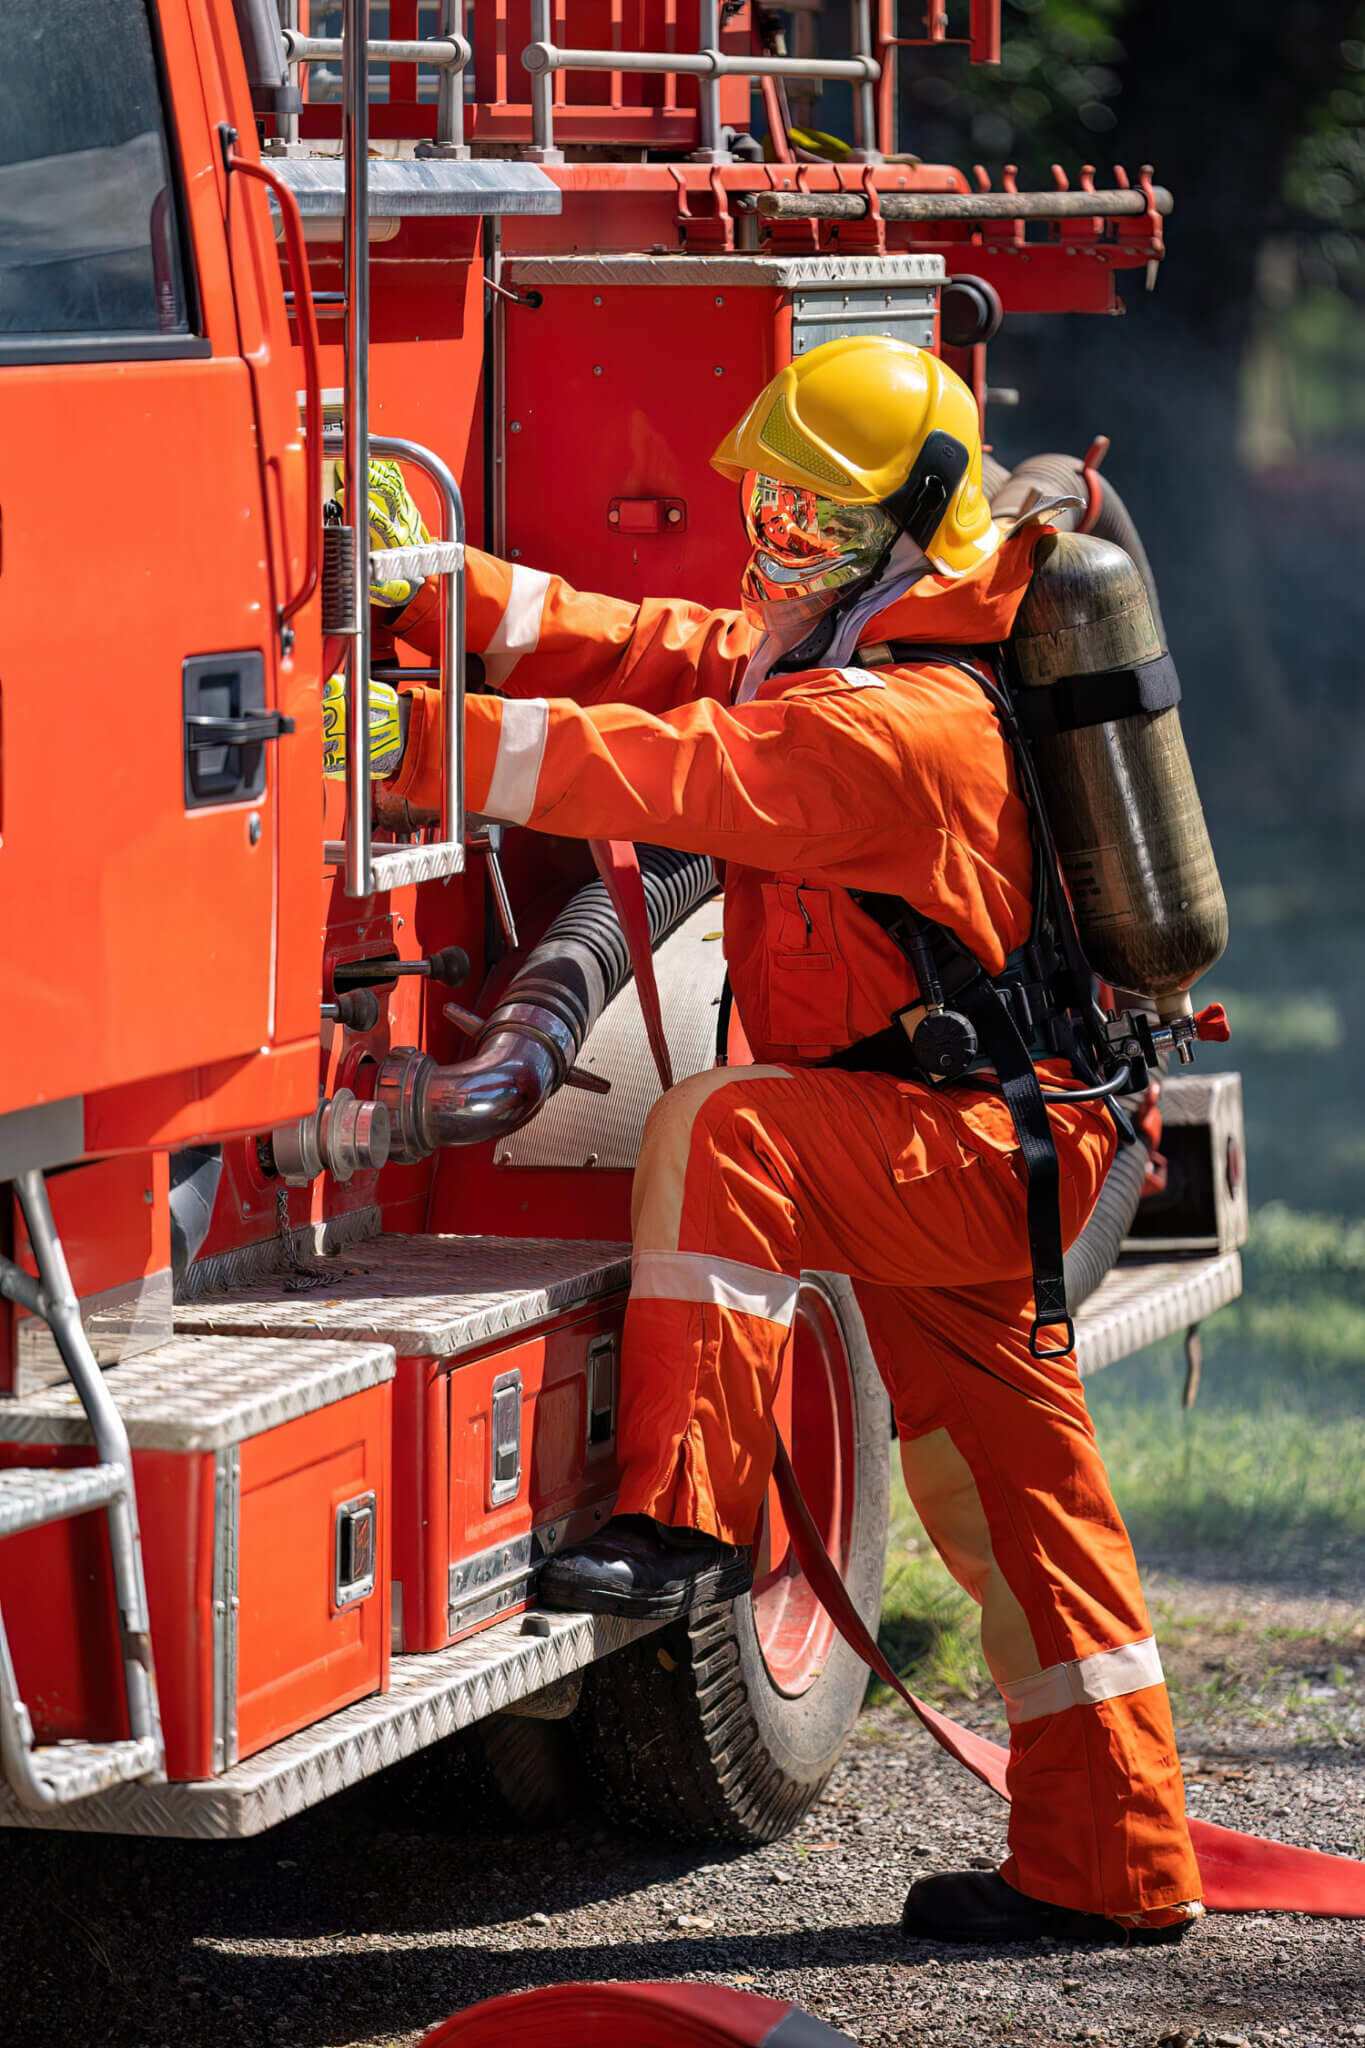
x=978, y=1906
x=638, y=1567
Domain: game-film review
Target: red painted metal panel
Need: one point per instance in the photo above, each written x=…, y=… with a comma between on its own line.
x=561, y=1473
x=210, y=449
x=442, y=1514
x=622, y=392
x=56, y=1590
x=299, y=1656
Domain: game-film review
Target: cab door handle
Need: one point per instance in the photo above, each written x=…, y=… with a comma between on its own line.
x=203, y=731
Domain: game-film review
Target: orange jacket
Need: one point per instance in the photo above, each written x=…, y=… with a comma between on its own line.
x=618, y=723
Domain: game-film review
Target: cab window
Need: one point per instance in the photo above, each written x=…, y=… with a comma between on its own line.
x=92, y=258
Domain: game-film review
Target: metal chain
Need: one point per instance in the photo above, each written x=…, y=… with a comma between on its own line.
x=303, y=1273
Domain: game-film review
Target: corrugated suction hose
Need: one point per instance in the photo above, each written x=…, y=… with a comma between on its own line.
x=535, y=1034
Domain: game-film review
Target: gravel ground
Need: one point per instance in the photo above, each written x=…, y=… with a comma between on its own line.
x=367, y=1921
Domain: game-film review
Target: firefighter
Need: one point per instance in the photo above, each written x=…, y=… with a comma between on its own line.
x=790, y=740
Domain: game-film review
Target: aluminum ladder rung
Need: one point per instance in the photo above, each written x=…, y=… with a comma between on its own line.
x=31, y=1495
x=74, y=1770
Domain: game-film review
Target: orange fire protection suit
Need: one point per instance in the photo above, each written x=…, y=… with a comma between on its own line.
x=621, y=722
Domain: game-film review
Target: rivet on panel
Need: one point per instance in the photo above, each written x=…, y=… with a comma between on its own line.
x=597, y=298
x=253, y=828
x=720, y=369
x=514, y=426
x=597, y=369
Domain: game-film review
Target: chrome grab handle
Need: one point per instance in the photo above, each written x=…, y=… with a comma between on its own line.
x=380, y=867
x=543, y=57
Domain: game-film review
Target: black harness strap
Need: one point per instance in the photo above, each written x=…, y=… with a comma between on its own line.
x=981, y=1003
x=1075, y=701
x=969, y=990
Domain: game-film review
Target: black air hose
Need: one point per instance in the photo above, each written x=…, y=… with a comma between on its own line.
x=1099, y=1244
x=1057, y=476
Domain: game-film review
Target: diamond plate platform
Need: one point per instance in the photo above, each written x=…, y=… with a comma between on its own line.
x=75, y=1771
x=431, y=1696
x=1142, y=1302
x=30, y=1496
x=202, y=1394
x=426, y=1296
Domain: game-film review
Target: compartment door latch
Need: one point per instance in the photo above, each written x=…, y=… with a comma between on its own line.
x=355, y=1550
x=504, y=1479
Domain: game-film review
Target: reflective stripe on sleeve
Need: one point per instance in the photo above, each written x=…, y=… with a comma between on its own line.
x=521, y=749
x=723, y=1283
x=518, y=630
x=1107, y=1675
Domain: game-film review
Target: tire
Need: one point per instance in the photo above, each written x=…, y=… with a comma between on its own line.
x=535, y=1769
x=688, y=1731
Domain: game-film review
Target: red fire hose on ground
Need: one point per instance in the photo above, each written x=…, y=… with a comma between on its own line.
x=634, y=2016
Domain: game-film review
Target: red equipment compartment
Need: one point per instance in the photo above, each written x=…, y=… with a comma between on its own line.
x=624, y=378
x=502, y=1343
x=262, y=1473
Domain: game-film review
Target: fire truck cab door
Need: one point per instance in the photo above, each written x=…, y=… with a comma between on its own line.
x=142, y=750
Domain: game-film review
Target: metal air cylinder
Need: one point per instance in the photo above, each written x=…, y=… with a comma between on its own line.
x=1119, y=789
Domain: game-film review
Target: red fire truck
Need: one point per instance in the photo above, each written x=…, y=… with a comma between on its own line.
x=313, y=1270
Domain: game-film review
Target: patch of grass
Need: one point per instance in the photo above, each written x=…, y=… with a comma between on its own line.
x=1307, y=1023
x=929, y=1625
x=1264, y=1478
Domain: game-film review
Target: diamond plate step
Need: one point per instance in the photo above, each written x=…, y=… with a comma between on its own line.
x=31, y=1495
x=78, y=1770
x=431, y=1695
x=1142, y=1301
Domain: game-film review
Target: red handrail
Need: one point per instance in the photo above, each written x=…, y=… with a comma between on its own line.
x=297, y=251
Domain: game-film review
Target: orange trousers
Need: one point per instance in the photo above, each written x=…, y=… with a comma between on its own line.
x=748, y=1175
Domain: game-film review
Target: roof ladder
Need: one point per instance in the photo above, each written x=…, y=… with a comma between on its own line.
x=57, y=1774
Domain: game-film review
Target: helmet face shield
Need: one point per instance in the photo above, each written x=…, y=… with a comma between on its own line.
x=807, y=550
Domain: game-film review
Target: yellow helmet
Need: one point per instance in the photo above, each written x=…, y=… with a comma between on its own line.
x=865, y=420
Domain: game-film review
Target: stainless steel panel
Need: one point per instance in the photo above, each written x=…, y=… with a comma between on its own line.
x=422, y=186
x=903, y=311
x=782, y=273
x=120, y=1322
x=204, y=1393
x=430, y=1697
x=427, y=1296
x=578, y=1129
x=1141, y=1303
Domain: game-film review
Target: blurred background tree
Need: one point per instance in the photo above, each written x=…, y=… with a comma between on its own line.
x=1234, y=397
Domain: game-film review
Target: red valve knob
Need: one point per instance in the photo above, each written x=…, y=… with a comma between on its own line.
x=1213, y=1024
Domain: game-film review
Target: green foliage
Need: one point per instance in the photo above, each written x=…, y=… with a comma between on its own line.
x=1054, y=88
x=1326, y=176
x=1306, y=1022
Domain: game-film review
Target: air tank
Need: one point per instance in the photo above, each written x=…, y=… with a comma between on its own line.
x=1119, y=789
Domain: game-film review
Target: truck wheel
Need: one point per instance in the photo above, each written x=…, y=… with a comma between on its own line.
x=729, y=1723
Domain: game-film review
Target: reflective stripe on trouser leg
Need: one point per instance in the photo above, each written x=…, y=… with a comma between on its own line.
x=705, y=1331
x=1003, y=1468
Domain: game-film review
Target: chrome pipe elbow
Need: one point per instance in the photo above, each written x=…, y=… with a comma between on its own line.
x=522, y=1057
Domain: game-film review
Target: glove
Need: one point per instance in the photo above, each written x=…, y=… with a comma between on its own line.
x=395, y=522
x=386, y=730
